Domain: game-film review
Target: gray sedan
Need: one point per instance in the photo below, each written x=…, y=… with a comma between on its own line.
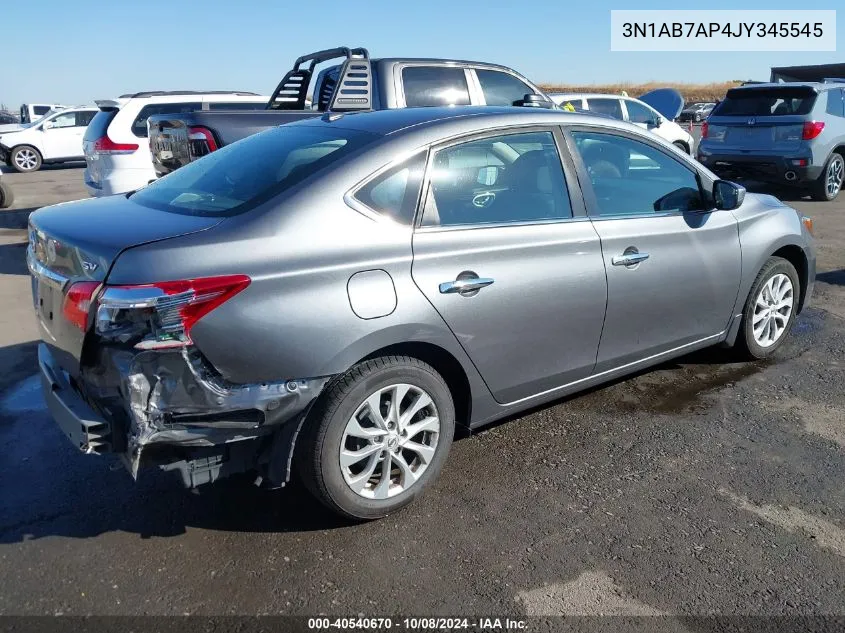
x=335, y=296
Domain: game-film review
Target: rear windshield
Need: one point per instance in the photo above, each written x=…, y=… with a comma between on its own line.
x=99, y=124
x=766, y=102
x=246, y=173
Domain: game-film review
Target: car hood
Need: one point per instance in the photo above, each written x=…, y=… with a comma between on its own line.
x=667, y=101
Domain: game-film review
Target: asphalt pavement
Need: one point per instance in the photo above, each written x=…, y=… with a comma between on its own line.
x=703, y=486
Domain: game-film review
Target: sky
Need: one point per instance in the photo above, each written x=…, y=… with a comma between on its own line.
x=80, y=50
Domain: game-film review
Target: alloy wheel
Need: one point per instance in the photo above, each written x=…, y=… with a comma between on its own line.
x=772, y=309
x=26, y=159
x=389, y=441
x=835, y=175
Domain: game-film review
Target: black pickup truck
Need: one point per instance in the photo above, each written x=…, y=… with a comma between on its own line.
x=357, y=83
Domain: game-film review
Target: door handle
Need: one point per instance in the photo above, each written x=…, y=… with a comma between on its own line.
x=629, y=259
x=465, y=285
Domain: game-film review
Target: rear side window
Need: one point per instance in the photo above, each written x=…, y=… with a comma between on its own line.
x=766, y=102
x=238, y=105
x=836, y=102
x=40, y=110
x=83, y=119
x=139, y=125
x=611, y=107
x=246, y=173
x=501, y=89
x=99, y=124
x=395, y=192
x=434, y=86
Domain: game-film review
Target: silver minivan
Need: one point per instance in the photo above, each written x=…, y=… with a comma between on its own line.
x=787, y=133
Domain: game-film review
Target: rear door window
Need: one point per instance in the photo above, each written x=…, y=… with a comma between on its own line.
x=501, y=89
x=611, y=107
x=766, y=102
x=434, y=86
x=395, y=192
x=139, y=125
x=84, y=117
x=40, y=110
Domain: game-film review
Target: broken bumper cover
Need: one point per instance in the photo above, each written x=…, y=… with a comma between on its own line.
x=173, y=402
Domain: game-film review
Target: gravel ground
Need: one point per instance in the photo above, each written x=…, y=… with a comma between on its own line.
x=700, y=487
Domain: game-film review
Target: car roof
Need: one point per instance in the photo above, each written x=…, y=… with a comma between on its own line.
x=458, y=119
x=435, y=60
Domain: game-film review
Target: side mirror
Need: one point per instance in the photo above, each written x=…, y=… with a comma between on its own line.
x=532, y=100
x=656, y=121
x=728, y=195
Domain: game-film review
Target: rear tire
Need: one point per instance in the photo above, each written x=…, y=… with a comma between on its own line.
x=7, y=198
x=829, y=183
x=341, y=457
x=769, y=310
x=25, y=159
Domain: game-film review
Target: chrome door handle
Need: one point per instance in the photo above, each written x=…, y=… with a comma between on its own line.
x=629, y=259
x=465, y=285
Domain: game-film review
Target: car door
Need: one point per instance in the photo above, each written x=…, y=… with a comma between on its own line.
x=505, y=254
x=673, y=263
x=62, y=138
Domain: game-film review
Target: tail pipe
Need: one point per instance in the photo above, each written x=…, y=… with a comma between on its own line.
x=790, y=176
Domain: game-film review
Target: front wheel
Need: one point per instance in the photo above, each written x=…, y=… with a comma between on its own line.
x=829, y=183
x=26, y=159
x=378, y=437
x=769, y=310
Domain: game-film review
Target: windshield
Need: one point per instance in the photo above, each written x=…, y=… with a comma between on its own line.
x=40, y=119
x=241, y=175
x=766, y=102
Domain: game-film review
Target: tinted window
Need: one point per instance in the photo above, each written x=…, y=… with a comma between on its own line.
x=513, y=178
x=611, y=107
x=434, y=86
x=631, y=177
x=395, y=192
x=99, y=124
x=766, y=102
x=250, y=171
x=40, y=110
x=501, y=89
x=638, y=113
x=241, y=105
x=64, y=120
x=835, y=105
x=139, y=125
x=83, y=119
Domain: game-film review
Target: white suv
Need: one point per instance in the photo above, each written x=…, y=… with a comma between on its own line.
x=54, y=138
x=116, y=147
x=635, y=111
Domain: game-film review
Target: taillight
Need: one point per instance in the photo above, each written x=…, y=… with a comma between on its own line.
x=812, y=129
x=104, y=145
x=202, y=141
x=705, y=128
x=77, y=303
x=167, y=310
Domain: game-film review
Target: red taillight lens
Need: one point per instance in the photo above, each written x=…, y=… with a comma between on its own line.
x=173, y=307
x=705, y=128
x=104, y=145
x=812, y=129
x=77, y=303
x=202, y=141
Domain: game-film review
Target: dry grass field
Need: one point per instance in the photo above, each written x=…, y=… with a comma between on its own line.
x=691, y=92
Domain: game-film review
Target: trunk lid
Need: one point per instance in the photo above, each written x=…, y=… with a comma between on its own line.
x=78, y=242
x=748, y=133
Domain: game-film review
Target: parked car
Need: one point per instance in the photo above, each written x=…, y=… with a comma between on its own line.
x=336, y=295
x=786, y=134
x=696, y=112
x=55, y=138
x=31, y=112
x=117, y=152
x=9, y=122
x=358, y=83
x=652, y=111
x=7, y=196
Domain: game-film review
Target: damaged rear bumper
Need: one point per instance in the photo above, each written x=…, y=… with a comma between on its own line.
x=171, y=410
